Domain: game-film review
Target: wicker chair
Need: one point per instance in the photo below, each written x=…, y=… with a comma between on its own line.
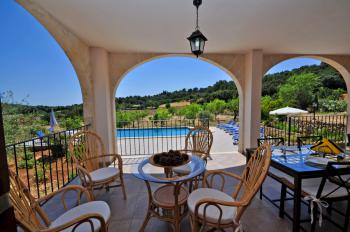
x=273, y=173
x=216, y=209
x=277, y=175
x=93, y=164
x=199, y=141
x=84, y=217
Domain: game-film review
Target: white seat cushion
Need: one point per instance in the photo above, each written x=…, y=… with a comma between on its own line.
x=280, y=174
x=289, y=178
x=212, y=212
x=328, y=188
x=103, y=174
x=99, y=207
x=183, y=169
x=311, y=185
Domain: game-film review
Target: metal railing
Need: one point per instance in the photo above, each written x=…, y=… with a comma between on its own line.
x=333, y=127
x=149, y=137
x=44, y=163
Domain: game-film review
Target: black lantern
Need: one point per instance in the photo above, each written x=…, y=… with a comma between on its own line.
x=197, y=39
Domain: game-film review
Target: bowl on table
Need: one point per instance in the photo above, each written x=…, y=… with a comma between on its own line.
x=169, y=159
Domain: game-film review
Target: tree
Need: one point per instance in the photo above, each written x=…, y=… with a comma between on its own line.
x=71, y=123
x=181, y=112
x=172, y=110
x=233, y=106
x=330, y=105
x=216, y=107
x=299, y=90
x=267, y=105
x=126, y=117
x=204, y=116
x=161, y=114
x=192, y=110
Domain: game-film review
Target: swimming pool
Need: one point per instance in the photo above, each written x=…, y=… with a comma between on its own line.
x=152, y=132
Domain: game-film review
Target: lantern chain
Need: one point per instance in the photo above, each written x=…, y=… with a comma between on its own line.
x=197, y=27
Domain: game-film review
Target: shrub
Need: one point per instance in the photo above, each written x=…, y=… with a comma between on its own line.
x=22, y=164
x=26, y=156
x=57, y=150
x=40, y=175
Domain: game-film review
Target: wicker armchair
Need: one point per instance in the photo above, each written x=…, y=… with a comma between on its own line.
x=277, y=175
x=214, y=208
x=199, y=141
x=84, y=217
x=93, y=164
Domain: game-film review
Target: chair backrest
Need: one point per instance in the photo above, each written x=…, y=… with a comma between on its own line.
x=28, y=213
x=253, y=176
x=84, y=146
x=306, y=140
x=199, y=139
x=274, y=141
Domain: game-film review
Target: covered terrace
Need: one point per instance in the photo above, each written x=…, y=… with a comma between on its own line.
x=105, y=40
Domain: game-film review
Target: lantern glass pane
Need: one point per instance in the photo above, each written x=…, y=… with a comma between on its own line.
x=202, y=45
x=197, y=44
x=192, y=42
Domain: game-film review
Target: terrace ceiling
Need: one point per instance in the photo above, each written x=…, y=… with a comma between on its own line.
x=276, y=26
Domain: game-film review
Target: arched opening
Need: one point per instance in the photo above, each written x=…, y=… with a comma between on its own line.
x=41, y=99
x=316, y=85
x=193, y=92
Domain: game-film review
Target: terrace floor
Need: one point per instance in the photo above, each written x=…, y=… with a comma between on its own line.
x=128, y=215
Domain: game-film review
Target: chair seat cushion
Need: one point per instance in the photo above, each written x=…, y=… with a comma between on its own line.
x=99, y=207
x=280, y=174
x=329, y=187
x=103, y=174
x=183, y=169
x=212, y=212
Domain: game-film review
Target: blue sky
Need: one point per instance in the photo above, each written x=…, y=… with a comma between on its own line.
x=35, y=68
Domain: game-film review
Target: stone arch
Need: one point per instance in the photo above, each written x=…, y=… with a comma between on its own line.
x=118, y=75
x=76, y=50
x=339, y=62
x=122, y=64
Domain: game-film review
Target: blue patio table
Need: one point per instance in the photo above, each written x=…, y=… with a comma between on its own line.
x=293, y=161
x=168, y=202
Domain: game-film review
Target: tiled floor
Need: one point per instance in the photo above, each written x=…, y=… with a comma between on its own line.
x=128, y=215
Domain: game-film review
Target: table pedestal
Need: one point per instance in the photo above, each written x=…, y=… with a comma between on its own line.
x=168, y=203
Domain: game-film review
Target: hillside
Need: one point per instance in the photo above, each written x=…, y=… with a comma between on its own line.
x=226, y=90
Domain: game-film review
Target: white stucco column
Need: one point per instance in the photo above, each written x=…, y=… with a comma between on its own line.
x=102, y=97
x=251, y=98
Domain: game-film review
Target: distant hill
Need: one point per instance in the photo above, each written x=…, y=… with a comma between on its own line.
x=227, y=90
x=224, y=90
x=329, y=76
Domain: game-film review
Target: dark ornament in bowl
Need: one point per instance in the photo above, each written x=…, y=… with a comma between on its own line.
x=169, y=159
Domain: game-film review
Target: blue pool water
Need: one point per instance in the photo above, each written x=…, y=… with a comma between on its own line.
x=152, y=132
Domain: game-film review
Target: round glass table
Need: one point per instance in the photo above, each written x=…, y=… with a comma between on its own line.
x=168, y=202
